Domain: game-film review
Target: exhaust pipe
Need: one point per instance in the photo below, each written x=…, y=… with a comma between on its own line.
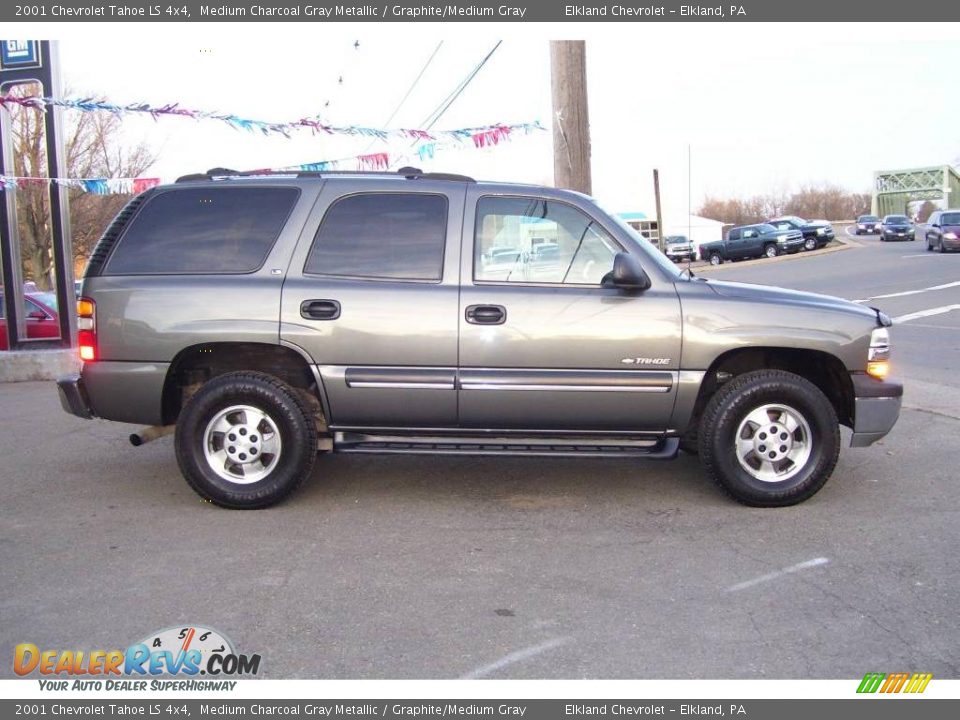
x=151, y=433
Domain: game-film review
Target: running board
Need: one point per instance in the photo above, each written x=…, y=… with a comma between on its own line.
x=651, y=449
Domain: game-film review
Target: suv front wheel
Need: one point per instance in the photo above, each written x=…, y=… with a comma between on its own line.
x=769, y=438
x=245, y=440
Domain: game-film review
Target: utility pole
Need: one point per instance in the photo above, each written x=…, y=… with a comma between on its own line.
x=656, y=193
x=571, y=121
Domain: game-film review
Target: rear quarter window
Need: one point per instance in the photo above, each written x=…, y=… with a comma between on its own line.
x=203, y=230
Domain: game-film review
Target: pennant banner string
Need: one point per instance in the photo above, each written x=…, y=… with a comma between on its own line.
x=316, y=126
x=480, y=138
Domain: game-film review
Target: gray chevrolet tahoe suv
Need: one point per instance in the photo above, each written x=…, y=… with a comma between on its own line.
x=264, y=319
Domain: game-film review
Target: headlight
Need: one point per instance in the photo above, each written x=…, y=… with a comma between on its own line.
x=950, y=235
x=821, y=231
x=861, y=226
x=878, y=356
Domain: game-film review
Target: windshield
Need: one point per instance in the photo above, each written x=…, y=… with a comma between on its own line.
x=950, y=219
x=676, y=240
x=896, y=219
x=765, y=228
x=665, y=265
x=868, y=218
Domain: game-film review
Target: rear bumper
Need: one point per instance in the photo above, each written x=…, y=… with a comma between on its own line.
x=876, y=408
x=73, y=398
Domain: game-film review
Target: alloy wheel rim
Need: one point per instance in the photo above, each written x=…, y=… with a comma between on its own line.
x=242, y=444
x=773, y=442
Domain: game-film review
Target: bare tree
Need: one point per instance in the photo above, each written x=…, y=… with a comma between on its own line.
x=93, y=150
x=925, y=211
x=828, y=202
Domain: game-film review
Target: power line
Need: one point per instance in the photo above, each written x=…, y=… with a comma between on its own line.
x=409, y=90
x=445, y=104
x=413, y=85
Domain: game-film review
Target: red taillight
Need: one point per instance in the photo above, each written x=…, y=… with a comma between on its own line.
x=87, y=329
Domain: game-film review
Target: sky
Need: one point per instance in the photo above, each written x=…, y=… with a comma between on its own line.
x=748, y=109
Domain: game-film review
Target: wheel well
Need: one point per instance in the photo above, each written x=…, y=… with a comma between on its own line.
x=197, y=364
x=824, y=370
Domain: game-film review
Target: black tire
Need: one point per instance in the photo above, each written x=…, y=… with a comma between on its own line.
x=726, y=413
x=770, y=251
x=941, y=247
x=929, y=245
x=715, y=259
x=810, y=244
x=287, y=419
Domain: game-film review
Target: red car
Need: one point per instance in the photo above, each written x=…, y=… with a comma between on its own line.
x=40, y=312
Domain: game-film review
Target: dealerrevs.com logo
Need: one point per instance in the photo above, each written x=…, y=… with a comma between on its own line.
x=188, y=652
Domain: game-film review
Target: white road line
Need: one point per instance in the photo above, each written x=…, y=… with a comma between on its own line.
x=929, y=255
x=515, y=657
x=925, y=313
x=779, y=573
x=912, y=292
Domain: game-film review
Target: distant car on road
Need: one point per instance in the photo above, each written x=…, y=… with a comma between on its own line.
x=816, y=233
x=679, y=247
x=40, y=316
x=868, y=224
x=897, y=227
x=943, y=230
x=752, y=241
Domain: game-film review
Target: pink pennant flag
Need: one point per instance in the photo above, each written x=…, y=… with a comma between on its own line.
x=141, y=184
x=374, y=161
x=491, y=136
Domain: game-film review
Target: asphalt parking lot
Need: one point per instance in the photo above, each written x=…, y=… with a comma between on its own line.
x=401, y=567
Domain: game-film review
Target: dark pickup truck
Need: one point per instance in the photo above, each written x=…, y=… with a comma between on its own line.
x=816, y=233
x=752, y=241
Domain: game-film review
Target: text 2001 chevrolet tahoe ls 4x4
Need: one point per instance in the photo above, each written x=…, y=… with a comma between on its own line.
x=269, y=318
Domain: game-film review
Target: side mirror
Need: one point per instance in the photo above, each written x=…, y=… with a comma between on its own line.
x=627, y=274
x=37, y=315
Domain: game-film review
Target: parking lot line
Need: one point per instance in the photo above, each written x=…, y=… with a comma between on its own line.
x=911, y=292
x=815, y=562
x=515, y=657
x=926, y=313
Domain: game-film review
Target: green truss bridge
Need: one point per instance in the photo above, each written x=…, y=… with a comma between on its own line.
x=893, y=189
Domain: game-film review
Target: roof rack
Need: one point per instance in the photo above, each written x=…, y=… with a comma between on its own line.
x=410, y=173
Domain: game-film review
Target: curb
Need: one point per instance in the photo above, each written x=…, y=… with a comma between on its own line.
x=26, y=365
x=780, y=258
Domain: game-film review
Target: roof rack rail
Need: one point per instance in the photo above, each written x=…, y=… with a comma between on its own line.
x=410, y=173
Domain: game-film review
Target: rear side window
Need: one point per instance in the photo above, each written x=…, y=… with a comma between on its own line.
x=389, y=236
x=203, y=230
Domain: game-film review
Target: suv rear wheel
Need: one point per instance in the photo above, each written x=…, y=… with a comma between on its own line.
x=769, y=438
x=245, y=440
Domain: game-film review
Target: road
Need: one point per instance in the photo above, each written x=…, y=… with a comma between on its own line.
x=441, y=567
